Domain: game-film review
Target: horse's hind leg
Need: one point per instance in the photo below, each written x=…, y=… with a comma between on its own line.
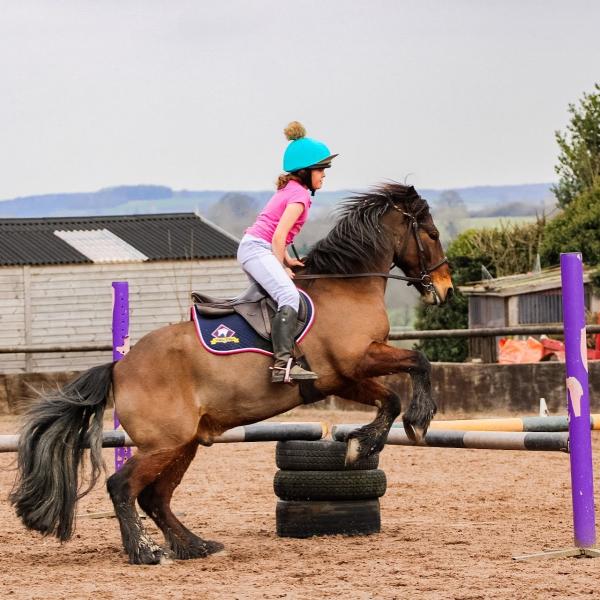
x=371, y=438
x=155, y=501
x=124, y=487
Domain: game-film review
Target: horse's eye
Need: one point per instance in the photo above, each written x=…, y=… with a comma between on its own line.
x=434, y=235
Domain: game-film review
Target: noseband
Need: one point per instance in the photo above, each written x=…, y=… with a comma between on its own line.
x=424, y=277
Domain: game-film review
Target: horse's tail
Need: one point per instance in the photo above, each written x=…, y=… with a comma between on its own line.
x=51, y=446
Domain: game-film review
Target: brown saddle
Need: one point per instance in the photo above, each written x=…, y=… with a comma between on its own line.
x=254, y=305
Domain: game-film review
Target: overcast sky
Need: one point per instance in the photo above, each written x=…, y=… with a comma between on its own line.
x=195, y=94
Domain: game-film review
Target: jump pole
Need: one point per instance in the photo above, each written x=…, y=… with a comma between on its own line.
x=554, y=423
x=120, y=338
x=578, y=401
x=258, y=432
x=481, y=440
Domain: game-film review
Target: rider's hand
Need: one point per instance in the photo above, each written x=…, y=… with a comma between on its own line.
x=292, y=262
x=289, y=272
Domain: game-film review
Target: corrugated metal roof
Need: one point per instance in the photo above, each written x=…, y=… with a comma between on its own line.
x=177, y=236
x=514, y=285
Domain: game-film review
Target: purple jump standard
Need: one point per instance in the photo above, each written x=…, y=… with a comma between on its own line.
x=578, y=401
x=120, y=332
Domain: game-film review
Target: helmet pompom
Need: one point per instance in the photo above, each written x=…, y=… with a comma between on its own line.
x=294, y=131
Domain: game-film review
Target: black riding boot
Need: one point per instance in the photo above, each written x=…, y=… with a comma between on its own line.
x=283, y=327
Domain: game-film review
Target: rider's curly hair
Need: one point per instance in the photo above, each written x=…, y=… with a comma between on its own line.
x=285, y=178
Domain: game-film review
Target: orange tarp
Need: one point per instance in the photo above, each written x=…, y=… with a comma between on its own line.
x=532, y=350
x=521, y=351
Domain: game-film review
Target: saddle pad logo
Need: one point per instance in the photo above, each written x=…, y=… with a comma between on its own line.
x=223, y=335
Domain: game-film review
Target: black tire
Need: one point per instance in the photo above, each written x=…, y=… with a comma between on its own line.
x=305, y=519
x=329, y=485
x=319, y=456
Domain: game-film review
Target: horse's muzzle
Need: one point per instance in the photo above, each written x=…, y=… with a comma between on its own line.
x=438, y=296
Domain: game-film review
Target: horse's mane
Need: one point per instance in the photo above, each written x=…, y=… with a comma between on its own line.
x=356, y=242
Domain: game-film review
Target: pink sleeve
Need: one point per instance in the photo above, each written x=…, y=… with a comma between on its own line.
x=299, y=196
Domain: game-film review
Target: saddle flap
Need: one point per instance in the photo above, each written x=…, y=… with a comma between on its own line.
x=258, y=316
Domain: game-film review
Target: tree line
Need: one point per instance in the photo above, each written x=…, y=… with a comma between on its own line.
x=512, y=249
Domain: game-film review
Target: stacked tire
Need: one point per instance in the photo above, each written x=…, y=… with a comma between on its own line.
x=319, y=495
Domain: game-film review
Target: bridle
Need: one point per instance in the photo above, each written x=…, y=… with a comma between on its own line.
x=424, y=278
x=425, y=275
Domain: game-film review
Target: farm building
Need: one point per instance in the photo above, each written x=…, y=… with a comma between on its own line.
x=56, y=275
x=527, y=299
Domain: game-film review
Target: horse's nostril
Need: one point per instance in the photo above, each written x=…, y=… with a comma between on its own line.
x=449, y=294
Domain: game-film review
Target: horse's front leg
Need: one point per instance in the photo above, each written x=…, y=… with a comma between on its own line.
x=371, y=438
x=381, y=359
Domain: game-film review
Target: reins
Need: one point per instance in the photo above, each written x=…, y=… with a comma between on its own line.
x=353, y=275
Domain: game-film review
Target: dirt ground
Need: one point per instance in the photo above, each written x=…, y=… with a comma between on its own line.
x=451, y=521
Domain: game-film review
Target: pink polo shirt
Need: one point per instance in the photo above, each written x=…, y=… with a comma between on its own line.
x=267, y=221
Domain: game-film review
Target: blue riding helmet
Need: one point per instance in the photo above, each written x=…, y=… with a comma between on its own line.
x=303, y=152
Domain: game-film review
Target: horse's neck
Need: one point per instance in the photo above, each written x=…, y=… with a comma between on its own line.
x=360, y=291
x=382, y=264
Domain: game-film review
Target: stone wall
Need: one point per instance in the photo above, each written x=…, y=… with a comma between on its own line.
x=458, y=388
x=493, y=389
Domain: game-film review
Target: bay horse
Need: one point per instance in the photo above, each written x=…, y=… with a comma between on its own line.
x=171, y=395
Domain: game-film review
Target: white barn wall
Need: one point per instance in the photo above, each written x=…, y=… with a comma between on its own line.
x=12, y=319
x=72, y=304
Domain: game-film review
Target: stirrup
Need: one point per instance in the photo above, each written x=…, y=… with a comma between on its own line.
x=286, y=372
x=291, y=373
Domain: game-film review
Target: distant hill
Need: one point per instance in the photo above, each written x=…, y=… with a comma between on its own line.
x=509, y=209
x=234, y=212
x=145, y=199
x=103, y=201
x=480, y=197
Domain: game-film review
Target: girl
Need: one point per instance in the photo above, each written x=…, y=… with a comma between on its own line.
x=263, y=249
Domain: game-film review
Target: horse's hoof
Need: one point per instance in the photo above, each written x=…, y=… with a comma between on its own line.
x=214, y=547
x=197, y=548
x=147, y=556
x=415, y=434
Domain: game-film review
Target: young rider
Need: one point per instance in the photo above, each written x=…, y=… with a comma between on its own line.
x=263, y=249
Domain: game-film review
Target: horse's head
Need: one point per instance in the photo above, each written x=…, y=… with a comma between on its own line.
x=418, y=251
x=389, y=223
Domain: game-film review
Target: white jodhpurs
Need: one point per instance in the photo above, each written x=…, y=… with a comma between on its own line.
x=259, y=263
